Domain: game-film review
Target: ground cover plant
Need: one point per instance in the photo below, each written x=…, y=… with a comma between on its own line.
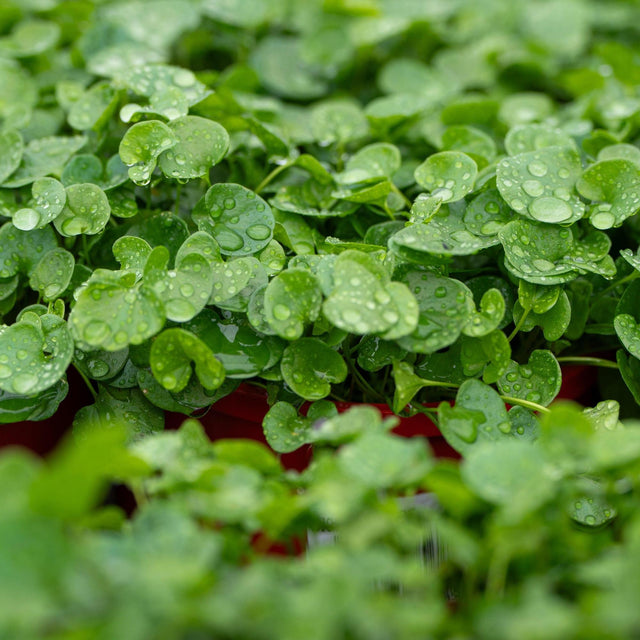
x=540, y=538
x=326, y=200
x=426, y=205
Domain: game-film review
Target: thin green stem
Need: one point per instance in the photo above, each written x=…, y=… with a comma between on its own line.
x=527, y=404
x=362, y=382
x=399, y=192
x=271, y=176
x=519, y=325
x=615, y=285
x=87, y=382
x=593, y=362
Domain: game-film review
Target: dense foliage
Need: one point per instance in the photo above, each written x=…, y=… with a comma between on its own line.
x=427, y=204
x=379, y=201
x=509, y=553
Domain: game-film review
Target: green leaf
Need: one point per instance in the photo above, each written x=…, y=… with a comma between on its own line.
x=52, y=275
x=492, y=309
x=48, y=199
x=486, y=214
x=172, y=353
x=513, y=474
x=20, y=250
x=153, y=79
x=615, y=186
x=99, y=364
x=185, y=290
x=354, y=422
x=141, y=146
x=200, y=144
x=554, y=322
x=374, y=353
x=475, y=143
x=36, y=352
x=478, y=416
x=338, y=122
x=447, y=175
x=489, y=355
x=446, y=307
x=532, y=137
x=240, y=221
x=93, y=108
x=132, y=253
x=286, y=430
x=537, y=298
x=86, y=211
x=30, y=38
x=18, y=408
x=292, y=300
x=277, y=61
x=309, y=366
x=407, y=385
x=538, y=381
x=376, y=160
x=362, y=303
x=43, y=157
x=12, y=144
x=243, y=352
x=540, y=184
x=112, y=310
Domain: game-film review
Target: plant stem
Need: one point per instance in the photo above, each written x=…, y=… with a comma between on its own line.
x=527, y=404
x=362, y=383
x=399, y=192
x=274, y=174
x=87, y=382
x=178, y=192
x=615, y=285
x=593, y=362
x=519, y=325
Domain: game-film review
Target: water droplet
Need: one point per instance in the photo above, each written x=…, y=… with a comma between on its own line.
x=228, y=239
x=534, y=188
x=23, y=383
x=538, y=169
x=98, y=368
x=229, y=203
x=258, y=232
x=443, y=194
x=26, y=219
x=169, y=381
x=5, y=372
x=550, y=209
x=186, y=289
x=440, y=292
x=603, y=220
x=281, y=312
x=96, y=332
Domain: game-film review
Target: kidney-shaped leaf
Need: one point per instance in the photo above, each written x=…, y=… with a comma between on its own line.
x=12, y=147
x=172, y=353
x=48, y=198
x=479, y=415
x=34, y=353
x=540, y=184
x=87, y=211
x=52, y=275
x=113, y=310
x=309, y=366
x=538, y=381
x=291, y=301
x=141, y=145
x=240, y=221
x=615, y=186
x=201, y=144
x=447, y=175
x=20, y=250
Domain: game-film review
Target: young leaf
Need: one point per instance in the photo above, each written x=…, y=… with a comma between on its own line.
x=141, y=146
x=309, y=366
x=172, y=353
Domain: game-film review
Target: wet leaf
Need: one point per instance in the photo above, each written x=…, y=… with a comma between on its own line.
x=309, y=367
x=36, y=352
x=86, y=211
x=538, y=381
x=240, y=221
x=172, y=355
x=447, y=175
x=52, y=275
